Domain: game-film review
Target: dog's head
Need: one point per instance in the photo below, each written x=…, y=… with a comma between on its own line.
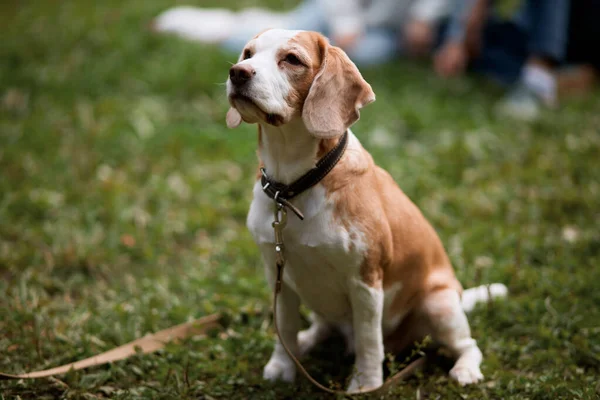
x=282, y=75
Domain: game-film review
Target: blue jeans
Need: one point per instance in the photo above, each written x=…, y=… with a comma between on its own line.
x=376, y=46
x=540, y=28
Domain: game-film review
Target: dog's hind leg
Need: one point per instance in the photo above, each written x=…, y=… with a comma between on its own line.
x=450, y=328
x=318, y=331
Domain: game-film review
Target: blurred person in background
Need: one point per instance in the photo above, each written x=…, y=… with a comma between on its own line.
x=370, y=31
x=527, y=52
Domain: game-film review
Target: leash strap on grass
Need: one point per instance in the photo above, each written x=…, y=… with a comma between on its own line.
x=405, y=373
x=147, y=344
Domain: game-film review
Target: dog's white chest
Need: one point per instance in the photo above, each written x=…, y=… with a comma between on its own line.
x=322, y=254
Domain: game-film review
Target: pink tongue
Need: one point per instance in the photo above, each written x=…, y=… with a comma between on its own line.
x=233, y=118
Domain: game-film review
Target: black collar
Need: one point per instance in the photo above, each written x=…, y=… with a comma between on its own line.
x=284, y=193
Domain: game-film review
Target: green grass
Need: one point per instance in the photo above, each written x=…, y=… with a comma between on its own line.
x=123, y=200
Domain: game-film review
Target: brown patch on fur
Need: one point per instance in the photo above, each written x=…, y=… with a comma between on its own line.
x=402, y=245
x=337, y=94
x=326, y=145
x=302, y=77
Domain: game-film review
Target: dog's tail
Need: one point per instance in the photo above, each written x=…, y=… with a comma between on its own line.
x=482, y=294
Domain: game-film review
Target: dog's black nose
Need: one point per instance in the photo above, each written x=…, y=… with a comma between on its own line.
x=239, y=74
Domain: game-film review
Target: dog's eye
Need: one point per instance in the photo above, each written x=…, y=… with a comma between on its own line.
x=247, y=54
x=292, y=59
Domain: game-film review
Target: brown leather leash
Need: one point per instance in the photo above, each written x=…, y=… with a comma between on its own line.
x=158, y=340
x=278, y=225
x=146, y=344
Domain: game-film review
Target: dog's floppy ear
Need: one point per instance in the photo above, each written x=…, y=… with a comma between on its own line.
x=233, y=118
x=337, y=94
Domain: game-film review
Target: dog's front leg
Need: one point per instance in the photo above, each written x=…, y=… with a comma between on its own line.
x=367, y=310
x=281, y=366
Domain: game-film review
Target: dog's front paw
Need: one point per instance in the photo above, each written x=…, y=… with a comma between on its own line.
x=466, y=374
x=279, y=369
x=363, y=382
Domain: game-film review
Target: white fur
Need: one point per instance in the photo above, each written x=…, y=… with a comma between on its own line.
x=270, y=86
x=391, y=319
x=367, y=311
x=281, y=366
x=284, y=151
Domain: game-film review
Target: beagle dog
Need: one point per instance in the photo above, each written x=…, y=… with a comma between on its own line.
x=364, y=259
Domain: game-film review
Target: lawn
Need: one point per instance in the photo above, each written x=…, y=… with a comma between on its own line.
x=123, y=200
